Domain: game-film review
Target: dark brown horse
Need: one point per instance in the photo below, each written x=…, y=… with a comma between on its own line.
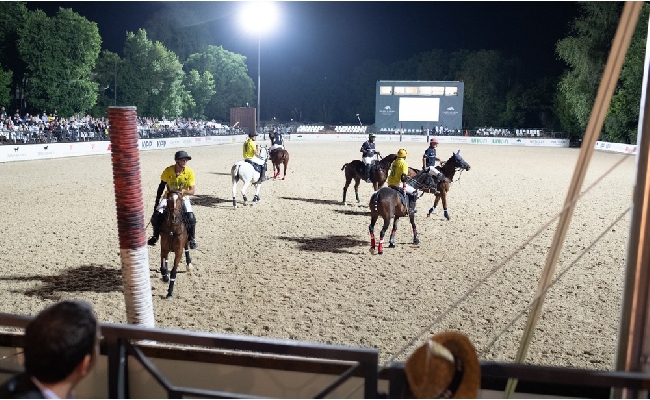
x=173, y=238
x=448, y=168
x=279, y=157
x=387, y=203
x=356, y=170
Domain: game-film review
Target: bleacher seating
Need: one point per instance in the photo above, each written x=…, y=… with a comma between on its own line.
x=310, y=128
x=351, y=129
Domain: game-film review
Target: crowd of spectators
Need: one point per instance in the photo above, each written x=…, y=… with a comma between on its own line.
x=50, y=128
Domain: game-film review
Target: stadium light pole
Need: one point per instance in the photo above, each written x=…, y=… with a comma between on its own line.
x=258, y=18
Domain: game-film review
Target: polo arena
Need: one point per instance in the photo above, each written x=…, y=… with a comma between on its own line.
x=297, y=264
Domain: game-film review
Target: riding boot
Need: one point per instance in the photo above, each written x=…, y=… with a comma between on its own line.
x=190, y=222
x=368, y=167
x=156, y=221
x=262, y=173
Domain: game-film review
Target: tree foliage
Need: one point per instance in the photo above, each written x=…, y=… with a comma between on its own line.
x=232, y=85
x=586, y=51
x=60, y=54
x=177, y=28
x=152, y=76
x=105, y=75
x=201, y=89
x=13, y=15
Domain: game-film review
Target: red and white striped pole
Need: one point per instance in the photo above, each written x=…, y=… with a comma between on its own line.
x=130, y=215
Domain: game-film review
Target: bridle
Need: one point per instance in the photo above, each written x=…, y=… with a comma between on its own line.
x=174, y=212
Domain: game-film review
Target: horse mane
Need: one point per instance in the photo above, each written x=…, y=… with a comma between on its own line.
x=449, y=167
x=385, y=162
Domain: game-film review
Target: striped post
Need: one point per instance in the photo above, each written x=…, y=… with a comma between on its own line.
x=134, y=256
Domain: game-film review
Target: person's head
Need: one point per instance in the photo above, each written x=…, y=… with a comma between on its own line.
x=252, y=135
x=433, y=143
x=181, y=157
x=401, y=153
x=371, y=137
x=61, y=340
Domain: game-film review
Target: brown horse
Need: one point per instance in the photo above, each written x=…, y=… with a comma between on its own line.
x=356, y=170
x=279, y=157
x=173, y=238
x=448, y=168
x=387, y=203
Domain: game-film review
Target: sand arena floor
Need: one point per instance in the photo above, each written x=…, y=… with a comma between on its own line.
x=297, y=265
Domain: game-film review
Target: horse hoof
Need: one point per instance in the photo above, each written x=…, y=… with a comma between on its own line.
x=189, y=267
x=284, y=177
x=372, y=250
x=165, y=278
x=380, y=252
x=169, y=296
x=391, y=245
x=416, y=241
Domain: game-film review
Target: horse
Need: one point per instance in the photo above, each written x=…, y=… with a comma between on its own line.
x=387, y=203
x=356, y=170
x=279, y=157
x=244, y=171
x=173, y=238
x=448, y=168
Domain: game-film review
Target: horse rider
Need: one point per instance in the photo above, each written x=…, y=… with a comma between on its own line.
x=429, y=163
x=176, y=177
x=368, y=153
x=276, y=140
x=251, y=153
x=397, y=177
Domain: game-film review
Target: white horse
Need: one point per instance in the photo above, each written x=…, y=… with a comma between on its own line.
x=244, y=170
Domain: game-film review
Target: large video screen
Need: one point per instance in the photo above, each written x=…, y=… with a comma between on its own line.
x=418, y=109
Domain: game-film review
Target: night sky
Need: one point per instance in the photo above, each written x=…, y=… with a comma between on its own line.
x=326, y=37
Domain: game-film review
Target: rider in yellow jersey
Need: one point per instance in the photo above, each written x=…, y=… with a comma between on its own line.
x=251, y=152
x=397, y=177
x=176, y=177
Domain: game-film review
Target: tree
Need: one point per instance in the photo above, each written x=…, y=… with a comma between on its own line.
x=483, y=74
x=60, y=54
x=179, y=30
x=5, y=87
x=13, y=15
x=585, y=52
x=621, y=124
x=201, y=89
x=233, y=87
x=105, y=75
x=152, y=76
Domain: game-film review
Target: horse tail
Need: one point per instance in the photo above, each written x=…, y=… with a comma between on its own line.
x=234, y=172
x=374, y=201
x=344, y=165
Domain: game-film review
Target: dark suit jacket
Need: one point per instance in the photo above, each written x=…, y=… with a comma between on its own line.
x=20, y=386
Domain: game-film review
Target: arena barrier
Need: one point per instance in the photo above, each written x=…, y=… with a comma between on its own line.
x=141, y=362
x=23, y=152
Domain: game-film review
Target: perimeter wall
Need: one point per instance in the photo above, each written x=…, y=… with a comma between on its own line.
x=23, y=152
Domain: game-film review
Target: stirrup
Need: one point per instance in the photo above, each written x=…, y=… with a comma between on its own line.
x=193, y=244
x=152, y=241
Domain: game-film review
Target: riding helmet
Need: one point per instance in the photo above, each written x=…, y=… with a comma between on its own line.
x=433, y=140
x=252, y=134
x=401, y=153
x=181, y=154
x=371, y=136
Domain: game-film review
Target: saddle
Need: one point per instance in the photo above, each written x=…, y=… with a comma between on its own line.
x=257, y=167
x=402, y=194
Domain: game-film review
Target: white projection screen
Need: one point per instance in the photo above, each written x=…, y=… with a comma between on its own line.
x=419, y=109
